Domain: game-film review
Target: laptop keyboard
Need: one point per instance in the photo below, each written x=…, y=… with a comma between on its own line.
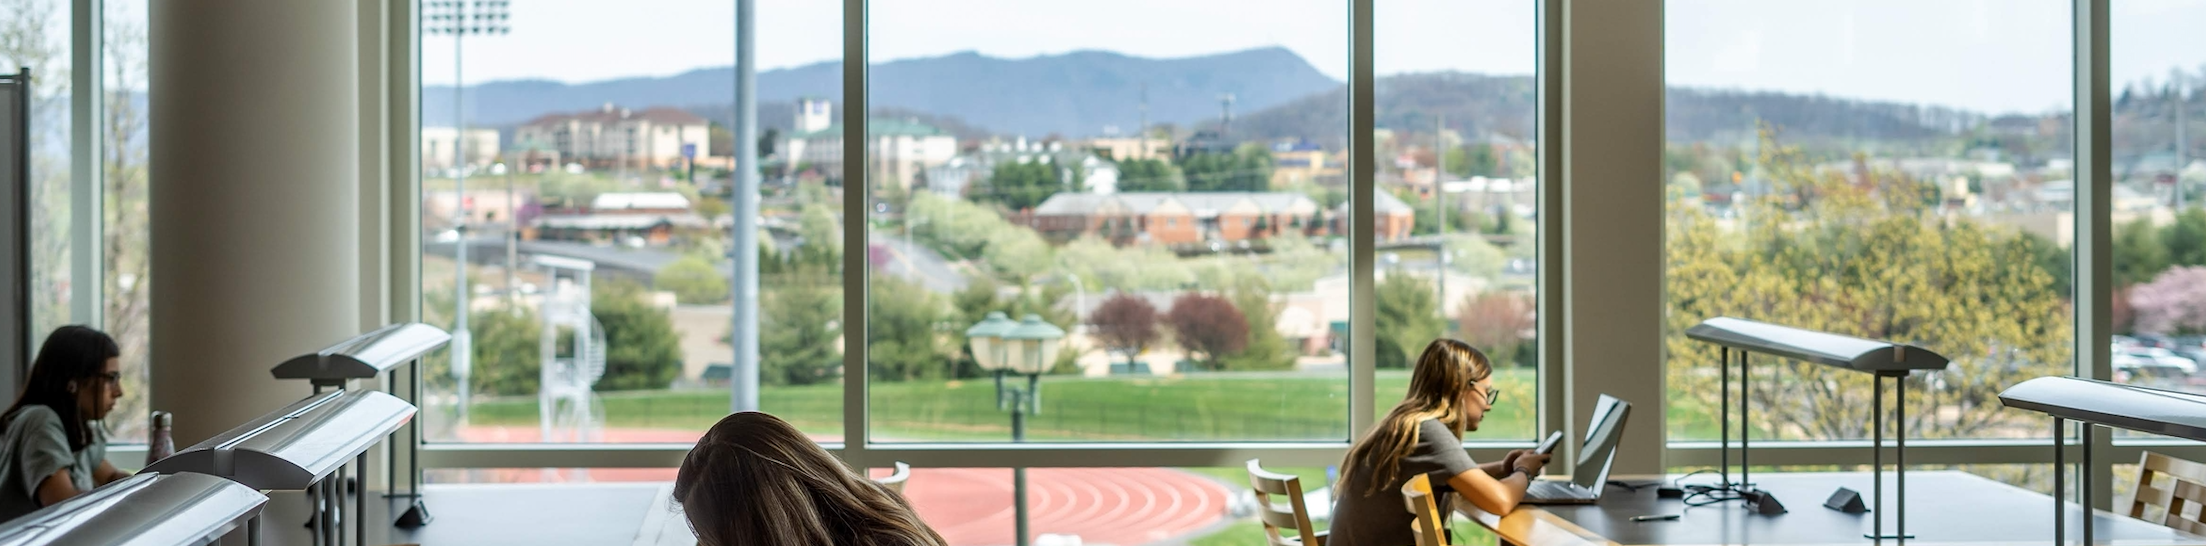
x=1542, y=489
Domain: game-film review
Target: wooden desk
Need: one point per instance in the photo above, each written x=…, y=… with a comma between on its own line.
x=1944, y=508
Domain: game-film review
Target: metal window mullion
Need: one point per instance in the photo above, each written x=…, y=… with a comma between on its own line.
x=87, y=111
x=402, y=273
x=1552, y=344
x=855, y=188
x=2093, y=256
x=1362, y=163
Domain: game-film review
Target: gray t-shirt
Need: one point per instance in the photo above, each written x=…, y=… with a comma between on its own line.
x=36, y=445
x=1364, y=518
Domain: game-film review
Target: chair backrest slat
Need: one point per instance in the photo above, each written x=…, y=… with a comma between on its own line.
x=1292, y=515
x=2166, y=505
x=895, y=481
x=1426, y=523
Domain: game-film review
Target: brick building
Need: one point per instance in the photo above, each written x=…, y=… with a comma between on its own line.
x=1183, y=218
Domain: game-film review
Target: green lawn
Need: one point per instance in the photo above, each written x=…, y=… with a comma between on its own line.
x=1250, y=406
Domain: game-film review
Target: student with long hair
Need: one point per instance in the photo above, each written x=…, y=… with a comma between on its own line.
x=55, y=446
x=754, y=480
x=1450, y=392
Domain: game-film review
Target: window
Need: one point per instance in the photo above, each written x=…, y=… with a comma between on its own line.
x=1458, y=164
x=2159, y=252
x=1888, y=170
x=1205, y=334
x=124, y=182
x=597, y=266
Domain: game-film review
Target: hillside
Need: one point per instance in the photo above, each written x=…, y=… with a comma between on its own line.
x=1073, y=94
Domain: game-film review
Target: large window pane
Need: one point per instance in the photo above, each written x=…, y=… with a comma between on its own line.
x=1164, y=195
x=126, y=178
x=589, y=184
x=1885, y=169
x=2159, y=178
x=1457, y=203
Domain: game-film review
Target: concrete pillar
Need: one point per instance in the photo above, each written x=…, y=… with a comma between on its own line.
x=255, y=162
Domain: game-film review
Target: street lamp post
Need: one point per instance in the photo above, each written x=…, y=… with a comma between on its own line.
x=1026, y=348
x=460, y=18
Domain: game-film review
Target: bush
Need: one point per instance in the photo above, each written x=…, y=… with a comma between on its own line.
x=693, y=280
x=641, y=349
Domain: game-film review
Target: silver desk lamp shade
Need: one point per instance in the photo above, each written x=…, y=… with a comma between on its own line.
x=297, y=445
x=142, y=510
x=365, y=356
x=1828, y=349
x=2142, y=409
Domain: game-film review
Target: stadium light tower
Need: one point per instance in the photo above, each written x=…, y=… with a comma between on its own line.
x=459, y=19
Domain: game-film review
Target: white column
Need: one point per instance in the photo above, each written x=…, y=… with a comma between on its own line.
x=1611, y=208
x=255, y=118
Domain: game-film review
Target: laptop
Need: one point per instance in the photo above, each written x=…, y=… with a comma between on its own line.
x=1595, y=456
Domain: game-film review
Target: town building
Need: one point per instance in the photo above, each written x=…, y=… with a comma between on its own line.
x=899, y=150
x=630, y=219
x=616, y=137
x=438, y=144
x=1192, y=218
x=1096, y=174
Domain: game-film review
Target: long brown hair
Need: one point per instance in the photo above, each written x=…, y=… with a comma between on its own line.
x=754, y=480
x=1446, y=369
x=72, y=358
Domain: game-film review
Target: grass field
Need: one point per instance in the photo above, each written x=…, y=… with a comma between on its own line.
x=1247, y=407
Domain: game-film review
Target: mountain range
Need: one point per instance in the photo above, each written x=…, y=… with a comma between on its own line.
x=1276, y=94
x=1081, y=93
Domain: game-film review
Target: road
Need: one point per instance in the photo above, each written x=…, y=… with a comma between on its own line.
x=918, y=263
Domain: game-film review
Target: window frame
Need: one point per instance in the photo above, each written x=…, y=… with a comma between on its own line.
x=1563, y=158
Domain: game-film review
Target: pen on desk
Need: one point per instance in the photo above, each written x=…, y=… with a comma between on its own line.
x=1656, y=517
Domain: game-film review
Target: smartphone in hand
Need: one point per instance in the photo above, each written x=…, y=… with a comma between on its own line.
x=1548, y=446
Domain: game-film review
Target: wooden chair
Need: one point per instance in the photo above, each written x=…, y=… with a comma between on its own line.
x=1294, y=516
x=895, y=481
x=1429, y=525
x=2186, y=489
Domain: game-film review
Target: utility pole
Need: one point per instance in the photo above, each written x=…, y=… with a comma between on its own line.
x=1440, y=196
x=2182, y=146
x=1225, y=117
x=1143, y=136
x=743, y=380
x=460, y=18
x=513, y=228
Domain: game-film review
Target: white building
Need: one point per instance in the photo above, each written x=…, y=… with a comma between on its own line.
x=612, y=136
x=437, y=144
x=900, y=149
x=1099, y=174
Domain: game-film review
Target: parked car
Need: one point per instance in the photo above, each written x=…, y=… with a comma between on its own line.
x=2154, y=357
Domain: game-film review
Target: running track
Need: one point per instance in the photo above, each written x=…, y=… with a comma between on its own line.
x=972, y=506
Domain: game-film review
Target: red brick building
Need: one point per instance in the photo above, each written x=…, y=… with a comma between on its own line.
x=1195, y=217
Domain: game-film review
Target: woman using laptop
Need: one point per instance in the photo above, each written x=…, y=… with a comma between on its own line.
x=1450, y=391
x=54, y=445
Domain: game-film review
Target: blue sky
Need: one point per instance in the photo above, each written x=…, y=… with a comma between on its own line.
x=1989, y=55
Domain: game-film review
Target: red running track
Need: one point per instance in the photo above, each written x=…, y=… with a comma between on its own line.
x=972, y=506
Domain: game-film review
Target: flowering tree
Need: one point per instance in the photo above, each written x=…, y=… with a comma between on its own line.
x=1125, y=324
x=1208, y=325
x=2173, y=303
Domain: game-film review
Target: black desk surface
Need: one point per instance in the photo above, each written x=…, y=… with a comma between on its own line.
x=1944, y=507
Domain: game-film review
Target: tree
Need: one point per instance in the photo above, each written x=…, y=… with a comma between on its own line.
x=1266, y=349
x=2186, y=238
x=693, y=280
x=904, y=339
x=2138, y=253
x=1495, y=322
x=1246, y=169
x=641, y=349
x=1155, y=175
x=1022, y=185
x=1852, y=258
x=1125, y=324
x=1209, y=326
x=1408, y=318
x=2174, y=303
x=799, y=332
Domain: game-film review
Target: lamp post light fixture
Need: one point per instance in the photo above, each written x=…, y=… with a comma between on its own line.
x=1027, y=347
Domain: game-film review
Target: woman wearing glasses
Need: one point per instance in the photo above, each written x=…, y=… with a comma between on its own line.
x=54, y=445
x=1450, y=391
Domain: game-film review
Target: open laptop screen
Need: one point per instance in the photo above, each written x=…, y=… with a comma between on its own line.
x=1598, y=452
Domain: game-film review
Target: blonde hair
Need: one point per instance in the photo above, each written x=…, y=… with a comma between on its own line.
x=754, y=480
x=1446, y=369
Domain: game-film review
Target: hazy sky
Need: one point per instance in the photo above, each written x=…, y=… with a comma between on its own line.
x=1993, y=55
